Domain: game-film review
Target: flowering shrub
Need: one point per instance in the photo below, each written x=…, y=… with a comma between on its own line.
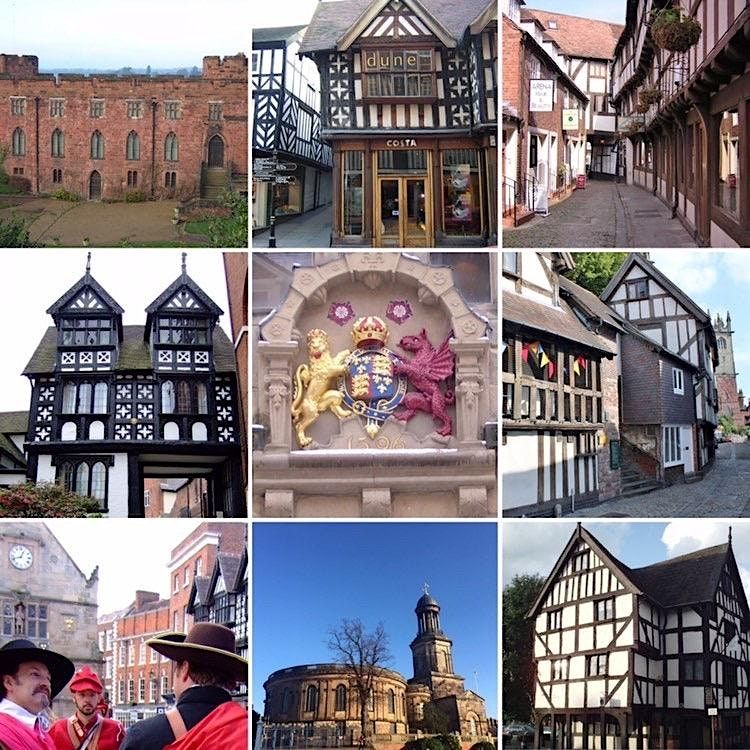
x=44, y=501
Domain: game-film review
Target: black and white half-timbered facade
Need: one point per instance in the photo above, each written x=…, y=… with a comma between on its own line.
x=113, y=404
x=669, y=393
x=641, y=658
x=409, y=93
x=286, y=123
x=560, y=389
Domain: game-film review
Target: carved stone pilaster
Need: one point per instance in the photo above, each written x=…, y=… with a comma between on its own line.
x=473, y=502
x=279, y=389
x=279, y=504
x=376, y=502
x=471, y=358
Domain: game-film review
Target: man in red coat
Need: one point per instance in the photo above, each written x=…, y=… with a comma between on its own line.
x=86, y=729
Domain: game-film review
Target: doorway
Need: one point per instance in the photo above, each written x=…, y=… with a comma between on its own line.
x=403, y=212
x=95, y=186
x=216, y=152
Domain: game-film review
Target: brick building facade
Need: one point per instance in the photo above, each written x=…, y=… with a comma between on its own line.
x=103, y=136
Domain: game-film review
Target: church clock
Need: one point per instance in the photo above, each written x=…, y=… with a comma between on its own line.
x=21, y=557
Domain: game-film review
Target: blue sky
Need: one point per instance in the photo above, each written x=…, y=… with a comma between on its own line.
x=89, y=33
x=308, y=576
x=634, y=543
x=601, y=10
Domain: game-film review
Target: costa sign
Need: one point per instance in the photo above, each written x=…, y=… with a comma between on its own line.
x=401, y=143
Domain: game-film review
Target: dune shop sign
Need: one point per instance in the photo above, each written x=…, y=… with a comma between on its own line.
x=541, y=95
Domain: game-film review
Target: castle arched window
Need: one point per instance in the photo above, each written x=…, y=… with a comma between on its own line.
x=167, y=397
x=96, y=430
x=82, y=479
x=58, y=142
x=18, y=143
x=84, y=398
x=171, y=148
x=202, y=398
x=171, y=431
x=133, y=146
x=341, y=698
x=97, y=145
x=100, y=398
x=391, y=702
x=69, y=399
x=98, y=481
x=67, y=475
x=69, y=431
x=311, y=700
x=199, y=431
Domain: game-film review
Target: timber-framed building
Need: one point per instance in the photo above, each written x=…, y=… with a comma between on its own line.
x=637, y=657
x=409, y=102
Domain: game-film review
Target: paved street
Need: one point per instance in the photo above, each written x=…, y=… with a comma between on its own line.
x=723, y=493
x=605, y=214
x=311, y=229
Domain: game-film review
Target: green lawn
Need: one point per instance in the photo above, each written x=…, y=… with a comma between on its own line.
x=197, y=226
x=6, y=189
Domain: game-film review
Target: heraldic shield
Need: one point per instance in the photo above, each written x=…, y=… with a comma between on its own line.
x=370, y=386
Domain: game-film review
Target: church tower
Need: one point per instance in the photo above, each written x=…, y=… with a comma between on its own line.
x=432, y=651
x=730, y=402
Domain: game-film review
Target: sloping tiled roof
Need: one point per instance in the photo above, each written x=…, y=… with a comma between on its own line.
x=230, y=566
x=333, y=18
x=134, y=352
x=13, y=423
x=589, y=302
x=275, y=33
x=688, y=579
x=576, y=36
x=560, y=321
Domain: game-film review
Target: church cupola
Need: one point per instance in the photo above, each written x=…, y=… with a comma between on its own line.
x=431, y=650
x=179, y=327
x=89, y=327
x=428, y=615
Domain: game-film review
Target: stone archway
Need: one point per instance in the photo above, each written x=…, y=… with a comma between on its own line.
x=216, y=151
x=95, y=186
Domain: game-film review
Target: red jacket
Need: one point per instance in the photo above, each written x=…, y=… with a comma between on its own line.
x=225, y=727
x=17, y=736
x=110, y=735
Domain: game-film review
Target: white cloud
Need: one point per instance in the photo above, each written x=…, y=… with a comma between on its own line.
x=695, y=272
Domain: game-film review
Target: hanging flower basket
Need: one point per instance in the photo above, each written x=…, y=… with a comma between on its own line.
x=641, y=108
x=649, y=95
x=673, y=31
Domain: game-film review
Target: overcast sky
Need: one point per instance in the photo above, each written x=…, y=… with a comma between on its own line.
x=600, y=10
x=136, y=33
x=290, y=13
x=132, y=553
x=34, y=279
x=634, y=543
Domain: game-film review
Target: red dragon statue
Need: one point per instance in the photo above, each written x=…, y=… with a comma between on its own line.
x=425, y=372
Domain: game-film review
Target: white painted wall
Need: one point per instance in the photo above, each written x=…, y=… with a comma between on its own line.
x=118, y=487
x=520, y=483
x=45, y=471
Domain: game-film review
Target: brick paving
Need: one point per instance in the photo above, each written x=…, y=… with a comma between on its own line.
x=311, y=229
x=723, y=493
x=605, y=214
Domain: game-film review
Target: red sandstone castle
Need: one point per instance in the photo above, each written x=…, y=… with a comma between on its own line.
x=106, y=136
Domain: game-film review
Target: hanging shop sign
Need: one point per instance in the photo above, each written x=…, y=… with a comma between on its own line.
x=570, y=119
x=541, y=95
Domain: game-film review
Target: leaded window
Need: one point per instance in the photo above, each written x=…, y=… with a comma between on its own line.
x=171, y=148
x=18, y=143
x=86, y=477
x=100, y=398
x=56, y=107
x=97, y=145
x=184, y=397
x=132, y=178
x=311, y=702
x=168, y=402
x=17, y=105
x=170, y=179
x=57, y=176
x=98, y=480
x=69, y=399
x=182, y=330
x=353, y=177
x=399, y=73
x=135, y=110
x=84, y=398
x=172, y=110
x=86, y=331
x=96, y=108
x=58, y=143
x=133, y=146
x=215, y=110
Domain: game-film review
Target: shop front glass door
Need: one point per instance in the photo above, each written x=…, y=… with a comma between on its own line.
x=415, y=223
x=390, y=213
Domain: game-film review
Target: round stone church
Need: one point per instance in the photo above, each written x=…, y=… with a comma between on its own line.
x=321, y=700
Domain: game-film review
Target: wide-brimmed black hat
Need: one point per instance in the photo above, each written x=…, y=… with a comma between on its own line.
x=16, y=652
x=207, y=646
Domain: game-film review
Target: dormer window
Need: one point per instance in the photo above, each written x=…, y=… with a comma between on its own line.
x=86, y=331
x=182, y=330
x=551, y=24
x=399, y=73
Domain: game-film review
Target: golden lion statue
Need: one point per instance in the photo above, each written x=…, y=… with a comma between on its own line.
x=312, y=384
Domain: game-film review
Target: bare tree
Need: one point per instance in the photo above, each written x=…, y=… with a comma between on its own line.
x=365, y=654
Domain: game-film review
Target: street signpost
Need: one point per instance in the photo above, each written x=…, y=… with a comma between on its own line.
x=286, y=166
x=282, y=179
x=270, y=169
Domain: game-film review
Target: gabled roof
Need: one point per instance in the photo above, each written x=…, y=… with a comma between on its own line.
x=87, y=280
x=560, y=321
x=134, y=352
x=198, y=592
x=333, y=18
x=228, y=567
x=13, y=423
x=682, y=581
x=589, y=303
x=184, y=281
x=276, y=34
x=648, y=267
x=576, y=36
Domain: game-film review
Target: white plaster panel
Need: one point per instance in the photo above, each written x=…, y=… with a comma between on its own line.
x=645, y=311
x=670, y=642
x=569, y=616
x=118, y=487
x=640, y=665
x=691, y=327
x=672, y=619
x=635, y=273
x=577, y=667
x=673, y=669
x=553, y=642
x=633, y=311
x=694, y=698
x=585, y=613
x=627, y=637
x=568, y=642
x=558, y=449
x=558, y=694
x=539, y=649
x=586, y=638
x=596, y=690
x=618, y=663
x=658, y=308
x=670, y=306
x=540, y=700
x=672, y=340
x=45, y=471
x=672, y=697
x=575, y=695
x=690, y=618
x=520, y=485
x=544, y=670
x=624, y=605
x=620, y=697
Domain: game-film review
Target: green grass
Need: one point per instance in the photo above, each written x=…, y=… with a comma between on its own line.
x=197, y=226
x=8, y=190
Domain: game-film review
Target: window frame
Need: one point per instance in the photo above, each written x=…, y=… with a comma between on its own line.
x=638, y=293
x=678, y=381
x=597, y=665
x=380, y=73
x=672, y=452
